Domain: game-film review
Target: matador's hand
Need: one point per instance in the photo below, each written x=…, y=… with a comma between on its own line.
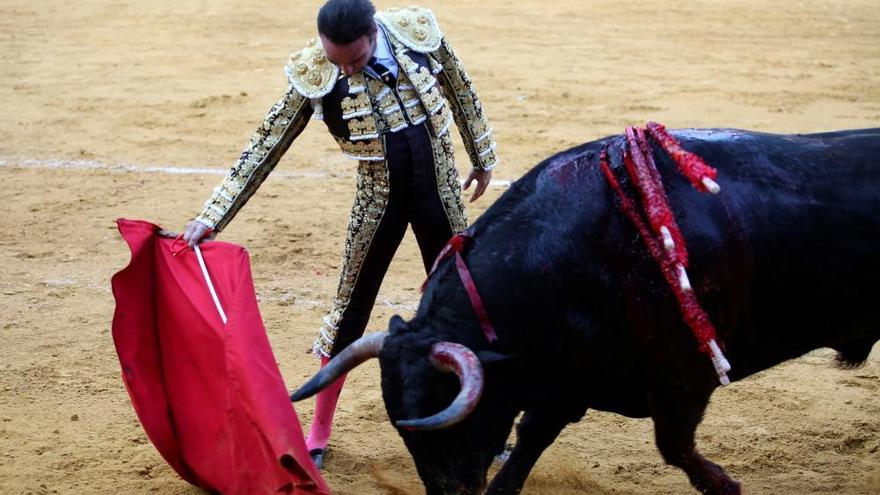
x=483, y=177
x=196, y=232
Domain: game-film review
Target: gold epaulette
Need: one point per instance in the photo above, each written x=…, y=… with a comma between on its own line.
x=309, y=71
x=414, y=26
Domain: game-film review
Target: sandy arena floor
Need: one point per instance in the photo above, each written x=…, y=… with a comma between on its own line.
x=89, y=86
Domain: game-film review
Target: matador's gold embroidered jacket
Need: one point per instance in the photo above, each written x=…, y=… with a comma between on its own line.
x=433, y=87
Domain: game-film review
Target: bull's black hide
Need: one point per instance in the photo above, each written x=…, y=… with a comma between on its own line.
x=785, y=260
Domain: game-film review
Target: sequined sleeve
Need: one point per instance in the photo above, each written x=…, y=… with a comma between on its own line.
x=284, y=122
x=466, y=108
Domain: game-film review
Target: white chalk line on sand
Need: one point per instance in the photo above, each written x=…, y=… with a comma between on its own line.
x=262, y=296
x=60, y=164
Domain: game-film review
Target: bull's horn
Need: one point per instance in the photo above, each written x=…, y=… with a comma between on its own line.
x=359, y=351
x=449, y=356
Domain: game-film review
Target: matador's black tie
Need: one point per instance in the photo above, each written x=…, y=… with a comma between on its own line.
x=384, y=72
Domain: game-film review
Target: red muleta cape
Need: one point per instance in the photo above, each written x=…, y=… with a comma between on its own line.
x=210, y=396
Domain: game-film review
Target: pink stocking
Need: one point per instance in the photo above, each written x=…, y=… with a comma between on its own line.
x=325, y=406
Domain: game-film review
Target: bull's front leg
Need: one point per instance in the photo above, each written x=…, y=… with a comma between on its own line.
x=536, y=431
x=676, y=417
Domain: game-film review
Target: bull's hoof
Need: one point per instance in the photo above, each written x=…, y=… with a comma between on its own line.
x=733, y=488
x=722, y=486
x=317, y=456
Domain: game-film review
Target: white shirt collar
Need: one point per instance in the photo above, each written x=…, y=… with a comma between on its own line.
x=383, y=52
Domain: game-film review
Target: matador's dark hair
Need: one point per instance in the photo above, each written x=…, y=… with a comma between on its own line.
x=344, y=21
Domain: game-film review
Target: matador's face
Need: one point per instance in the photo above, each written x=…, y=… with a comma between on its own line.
x=353, y=57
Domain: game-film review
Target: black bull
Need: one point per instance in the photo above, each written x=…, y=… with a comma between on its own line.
x=786, y=259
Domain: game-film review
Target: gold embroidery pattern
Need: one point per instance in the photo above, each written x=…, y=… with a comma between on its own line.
x=423, y=80
x=390, y=116
x=412, y=103
x=481, y=130
x=369, y=150
x=395, y=121
x=433, y=99
x=466, y=108
x=407, y=95
x=417, y=83
x=284, y=122
x=377, y=88
x=366, y=213
x=416, y=114
x=415, y=27
x=435, y=65
x=441, y=120
x=357, y=83
x=309, y=71
x=490, y=157
x=420, y=77
x=387, y=104
x=485, y=146
x=363, y=128
x=448, y=185
x=356, y=106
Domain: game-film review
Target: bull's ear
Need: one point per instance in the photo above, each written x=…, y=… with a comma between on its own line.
x=396, y=325
x=491, y=357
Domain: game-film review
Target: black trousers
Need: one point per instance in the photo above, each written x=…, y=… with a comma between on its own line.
x=412, y=200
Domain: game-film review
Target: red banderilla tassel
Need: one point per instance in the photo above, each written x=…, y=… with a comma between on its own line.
x=693, y=314
x=701, y=175
x=647, y=180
